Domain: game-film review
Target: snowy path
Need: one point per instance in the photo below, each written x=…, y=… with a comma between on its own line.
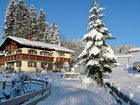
x=71, y=96
x=72, y=92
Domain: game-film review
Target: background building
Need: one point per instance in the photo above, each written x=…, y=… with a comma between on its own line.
x=128, y=59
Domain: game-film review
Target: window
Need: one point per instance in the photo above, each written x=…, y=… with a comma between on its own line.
x=9, y=47
x=18, y=64
x=60, y=65
x=10, y=52
x=18, y=51
x=43, y=64
x=61, y=54
x=33, y=52
x=50, y=54
x=45, y=53
x=31, y=64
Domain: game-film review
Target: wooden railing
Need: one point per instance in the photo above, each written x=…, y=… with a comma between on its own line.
x=26, y=97
x=122, y=96
x=25, y=57
x=11, y=46
x=23, y=98
x=62, y=59
x=3, y=59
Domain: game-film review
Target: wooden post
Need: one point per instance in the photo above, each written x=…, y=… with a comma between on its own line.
x=128, y=62
x=3, y=85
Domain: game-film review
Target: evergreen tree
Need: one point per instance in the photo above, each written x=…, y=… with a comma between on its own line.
x=9, y=19
x=27, y=24
x=22, y=24
x=41, y=25
x=33, y=22
x=47, y=37
x=54, y=34
x=97, y=55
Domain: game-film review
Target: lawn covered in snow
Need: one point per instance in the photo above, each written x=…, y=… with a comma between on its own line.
x=17, y=84
x=127, y=81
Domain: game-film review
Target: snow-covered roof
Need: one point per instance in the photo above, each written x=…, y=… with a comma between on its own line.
x=134, y=49
x=27, y=42
x=1, y=54
x=123, y=56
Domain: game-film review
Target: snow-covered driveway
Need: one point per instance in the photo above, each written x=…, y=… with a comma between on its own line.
x=72, y=92
x=71, y=96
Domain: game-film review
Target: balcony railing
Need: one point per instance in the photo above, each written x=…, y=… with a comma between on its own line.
x=4, y=59
x=62, y=59
x=25, y=57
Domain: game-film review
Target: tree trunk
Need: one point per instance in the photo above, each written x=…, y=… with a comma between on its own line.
x=98, y=77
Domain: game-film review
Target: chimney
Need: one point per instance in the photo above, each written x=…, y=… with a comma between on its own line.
x=30, y=37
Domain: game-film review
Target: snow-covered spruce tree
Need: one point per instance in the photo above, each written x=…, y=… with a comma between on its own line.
x=22, y=24
x=41, y=25
x=9, y=19
x=54, y=34
x=97, y=55
x=27, y=24
x=33, y=22
x=18, y=16
x=47, y=37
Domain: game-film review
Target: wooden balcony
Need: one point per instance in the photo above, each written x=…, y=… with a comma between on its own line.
x=25, y=57
x=62, y=59
x=11, y=46
x=9, y=58
x=1, y=60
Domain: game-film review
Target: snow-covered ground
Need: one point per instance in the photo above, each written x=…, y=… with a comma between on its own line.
x=16, y=84
x=84, y=92
x=127, y=81
x=75, y=92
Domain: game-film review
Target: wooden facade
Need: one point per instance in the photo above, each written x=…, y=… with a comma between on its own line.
x=62, y=59
x=10, y=47
x=15, y=57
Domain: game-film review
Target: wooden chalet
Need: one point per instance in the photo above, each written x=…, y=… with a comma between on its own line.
x=30, y=56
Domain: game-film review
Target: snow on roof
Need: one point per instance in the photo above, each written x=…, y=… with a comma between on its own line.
x=1, y=54
x=27, y=42
x=134, y=49
x=123, y=56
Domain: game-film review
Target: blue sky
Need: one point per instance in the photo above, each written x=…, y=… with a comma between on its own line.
x=122, y=17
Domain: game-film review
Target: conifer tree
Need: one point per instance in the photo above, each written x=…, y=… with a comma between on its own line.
x=27, y=24
x=47, y=37
x=41, y=25
x=54, y=34
x=9, y=19
x=22, y=24
x=33, y=22
x=97, y=54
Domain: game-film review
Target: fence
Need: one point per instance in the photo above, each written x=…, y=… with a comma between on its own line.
x=123, y=97
x=30, y=98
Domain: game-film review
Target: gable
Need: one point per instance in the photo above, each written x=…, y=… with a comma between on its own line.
x=9, y=44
